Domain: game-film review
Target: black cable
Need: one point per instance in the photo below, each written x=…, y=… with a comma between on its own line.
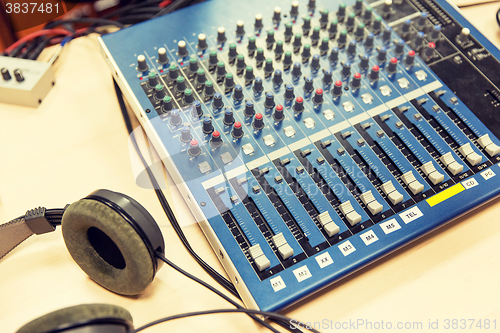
x=91, y=20
x=15, y=52
x=170, y=8
x=28, y=49
x=129, y=7
x=173, y=221
x=133, y=19
x=247, y=311
x=206, y=285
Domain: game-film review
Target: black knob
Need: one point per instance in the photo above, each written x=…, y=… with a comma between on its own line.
x=369, y=41
x=221, y=68
x=209, y=88
x=358, y=5
x=306, y=52
x=298, y=107
x=296, y=71
x=240, y=30
x=342, y=38
x=228, y=117
x=258, y=122
x=463, y=37
x=350, y=21
x=419, y=39
x=332, y=30
x=207, y=127
x=386, y=35
x=327, y=77
x=159, y=93
x=356, y=81
x=232, y=53
x=182, y=49
x=422, y=20
x=351, y=49
x=360, y=31
x=193, y=65
x=364, y=61
x=188, y=97
x=377, y=24
x=306, y=26
x=289, y=92
x=367, y=15
x=260, y=55
x=346, y=69
x=337, y=89
x=334, y=55
x=278, y=77
x=194, y=148
x=410, y=58
x=142, y=66
x=393, y=66
x=386, y=9
x=216, y=140
x=288, y=30
x=240, y=61
x=186, y=134
x=257, y=85
x=173, y=72
x=294, y=12
x=324, y=16
x=217, y=103
x=202, y=42
x=268, y=67
x=400, y=47
x=166, y=105
x=252, y=46
x=405, y=28
x=318, y=96
x=221, y=35
x=237, y=130
x=279, y=115
x=249, y=109
x=287, y=62
x=212, y=58
x=175, y=117
x=258, y=22
x=297, y=42
x=436, y=32
x=269, y=102
x=278, y=50
x=238, y=92
x=277, y=14
x=315, y=35
x=341, y=11
x=200, y=76
x=229, y=81
x=162, y=55
x=309, y=84
x=180, y=85
x=249, y=73
x=315, y=62
x=197, y=112
x=374, y=73
x=6, y=75
x=311, y=4
x=324, y=45
x=270, y=37
x=429, y=51
x=152, y=78
x=382, y=54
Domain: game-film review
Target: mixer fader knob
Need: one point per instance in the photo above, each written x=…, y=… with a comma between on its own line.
x=324, y=17
x=315, y=35
x=342, y=38
x=298, y=107
x=258, y=22
x=351, y=49
x=419, y=39
x=289, y=92
x=240, y=29
x=238, y=93
x=278, y=113
x=173, y=72
x=463, y=37
x=182, y=49
x=422, y=20
x=341, y=12
x=217, y=103
x=193, y=65
x=308, y=85
x=294, y=12
x=327, y=77
x=386, y=35
x=278, y=77
x=358, y=6
x=240, y=61
x=162, y=55
x=350, y=21
x=400, y=47
x=346, y=69
x=306, y=26
x=249, y=73
x=221, y=35
x=306, y=52
x=287, y=62
x=194, y=148
x=374, y=73
x=249, y=109
x=232, y=51
x=334, y=55
x=315, y=62
x=332, y=30
x=277, y=14
x=278, y=50
x=360, y=31
x=269, y=102
x=405, y=28
x=229, y=81
x=323, y=47
x=386, y=9
x=186, y=133
x=337, y=89
x=159, y=93
x=180, y=84
x=252, y=46
x=296, y=71
x=436, y=32
x=268, y=67
x=209, y=88
x=367, y=15
x=429, y=51
x=393, y=66
x=382, y=54
x=188, y=97
x=197, y=112
x=216, y=140
x=364, y=61
x=257, y=86
x=200, y=76
x=312, y=4
x=318, y=96
x=270, y=38
x=369, y=41
x=212, y=58
x=377, y=24
x=152, y=79
x=288, y=31
x=166, y=105
x=202, y=42
x=142, y=66
x=228, y=117
x=297, y=42
x=260, y=55
x=207, y=127
x=175, y=117
x=356, y=81
x=258, y=122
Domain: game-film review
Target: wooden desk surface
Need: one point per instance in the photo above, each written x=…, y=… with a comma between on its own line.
x=76, y=142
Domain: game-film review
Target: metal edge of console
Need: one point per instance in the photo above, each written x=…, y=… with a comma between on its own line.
x=184, y=190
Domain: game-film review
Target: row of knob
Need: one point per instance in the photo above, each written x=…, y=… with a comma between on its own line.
x=18, y=74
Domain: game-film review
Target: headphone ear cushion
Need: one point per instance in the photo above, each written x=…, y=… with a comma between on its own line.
x=107, y=247
x=74, y=314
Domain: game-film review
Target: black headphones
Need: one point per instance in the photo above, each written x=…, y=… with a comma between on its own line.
x=113, y=239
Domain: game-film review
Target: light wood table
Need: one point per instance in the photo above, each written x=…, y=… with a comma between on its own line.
x=76, y=142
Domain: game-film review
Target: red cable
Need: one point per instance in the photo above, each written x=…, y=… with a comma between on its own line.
x=165, y=3
x=37, y=34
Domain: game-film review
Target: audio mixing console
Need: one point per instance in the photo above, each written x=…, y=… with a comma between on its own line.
x=311, y=139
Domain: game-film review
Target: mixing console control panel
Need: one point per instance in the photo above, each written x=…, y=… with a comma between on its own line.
x=311, y=138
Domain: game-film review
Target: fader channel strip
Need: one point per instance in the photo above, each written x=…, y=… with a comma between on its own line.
x=311, y=138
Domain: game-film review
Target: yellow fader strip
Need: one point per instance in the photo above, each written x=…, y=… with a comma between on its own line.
x=446, y=194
